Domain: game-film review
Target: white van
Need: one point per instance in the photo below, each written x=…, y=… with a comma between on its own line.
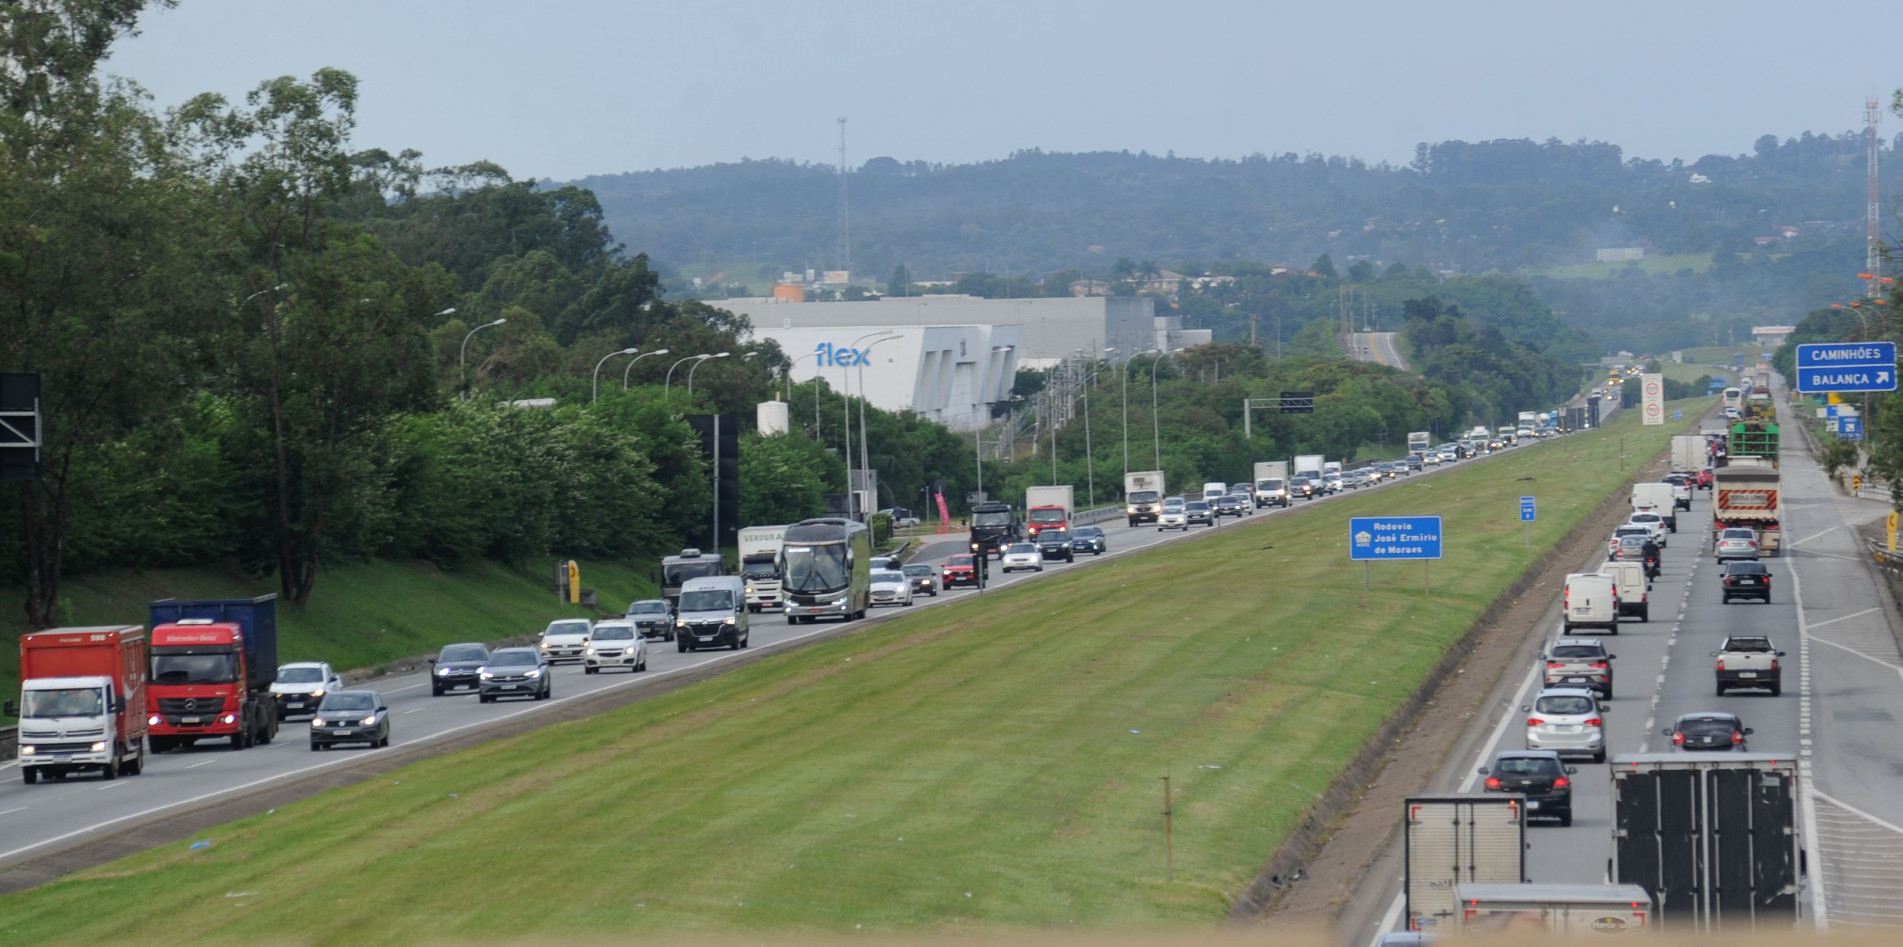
x=712, y=613
x=1591, y=600
x=1656, y=498
x=1628, y=580
x=1214, y=489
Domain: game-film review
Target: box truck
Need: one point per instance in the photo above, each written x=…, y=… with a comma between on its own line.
x=1271, y=484
x=1690, y=453
x=82, y=702
x=1453, y=839
x=1419, y=441
x=1712, y=837
x=1047, y=508
x=760, y=566
x=1568, y=910
x=1656, y=498
x=213, y=662
x=1142, y=495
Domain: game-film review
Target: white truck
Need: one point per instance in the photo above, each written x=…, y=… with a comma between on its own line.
x=1048, y=508
x=760, y=566
x=1419, y=441
x=1310, y=464
x=1271, y=483
x=1656, y=498
x=1577, y=910
x=1458, y=839
x=1689, y=453
x=1142, y=495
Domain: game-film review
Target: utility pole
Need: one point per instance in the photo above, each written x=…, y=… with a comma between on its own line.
x=1873, y=250
x=845, y=206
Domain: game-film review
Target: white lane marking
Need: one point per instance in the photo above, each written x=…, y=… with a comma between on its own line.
x=115, y=784
x=1849, y=650
x=1817, y=534
x=1806, y=791
x=416, y=711
x=14, y=809
x=1832, y=621
x=1853, y=810
x=205, y=763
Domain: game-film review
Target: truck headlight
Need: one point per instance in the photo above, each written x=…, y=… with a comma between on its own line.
x=99, y=747
x=154, y=720
x=680, y=623
x=228, y=718
x=28, y=749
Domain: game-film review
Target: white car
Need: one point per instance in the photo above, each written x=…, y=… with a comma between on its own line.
x=1331, y=483
x=1172, y=517
x=1431, y=459
x=615, y=644
x=1025, y=556
x=301, y=684
x=891, y=587
x=564, y=639
x=1653, y=522
x=1736, y=542
x=1568, y=720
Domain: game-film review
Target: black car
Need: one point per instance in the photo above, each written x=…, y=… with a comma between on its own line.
x=923, y=578
x=1088, y=539
x=1304, y=486
x=1413, y=463
x=1229, y=505
x=516, y=672
x=1197, y=511
x=1709, y=731
x=1745, y=578
x=456, y=666
x=1055, y=544
x=350, y=717
x=1539, y=776
x=653, y=618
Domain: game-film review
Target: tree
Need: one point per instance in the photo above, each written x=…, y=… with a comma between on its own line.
x=1361, y=271
x=901, y=282
x=1324, y=267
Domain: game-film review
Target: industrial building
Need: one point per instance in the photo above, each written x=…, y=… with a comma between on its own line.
x=1050, y=329
x=951, y=374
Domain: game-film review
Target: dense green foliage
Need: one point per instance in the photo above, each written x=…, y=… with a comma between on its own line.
x=1506, y=375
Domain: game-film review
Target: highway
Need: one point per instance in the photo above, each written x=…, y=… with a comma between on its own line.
x=52, y=816
x=1843, y=696
x=1377, y=347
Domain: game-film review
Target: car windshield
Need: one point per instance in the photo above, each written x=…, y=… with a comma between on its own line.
x=613, y=632
x=63, y=702
x=347, y=703
x=1566, y=704
x=303, y=675
x=1748, y=645
x=647, y=608
x=918, y=570
x=1575, y=651
x=177, y=667
x=513, y=657
x=1023, y=549
x=1055, y=515
x=1226, y=501
x=965, y=561
x=1054, y=536
x=567, y=628
x=706, y=600
x=464, y=652
x=888, y=576
x=1173, y=501
x=820, y=568
x=1707, y=725
x=1525, y=766
x=1267, y=485
x=1197, y=507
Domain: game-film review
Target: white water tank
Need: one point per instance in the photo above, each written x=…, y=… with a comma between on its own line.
x=771, y=418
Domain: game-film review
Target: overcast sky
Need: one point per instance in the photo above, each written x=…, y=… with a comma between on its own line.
x=565, y=88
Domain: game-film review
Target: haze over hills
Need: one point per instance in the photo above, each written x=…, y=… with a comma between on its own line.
x=1763, y=235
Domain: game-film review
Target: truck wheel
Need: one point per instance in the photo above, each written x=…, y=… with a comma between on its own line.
x=29, y=775
x=110, y=771
x=1721, y=689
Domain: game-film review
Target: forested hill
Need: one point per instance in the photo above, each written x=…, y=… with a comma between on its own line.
x=1473, y=207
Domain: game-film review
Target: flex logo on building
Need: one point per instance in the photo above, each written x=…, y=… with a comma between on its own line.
x=840, y=356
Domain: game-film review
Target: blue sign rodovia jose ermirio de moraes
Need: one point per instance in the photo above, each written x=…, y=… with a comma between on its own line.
x=1378, y=538
x=1846, y=366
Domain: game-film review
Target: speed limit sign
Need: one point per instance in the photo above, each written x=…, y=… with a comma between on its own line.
x=1654, y=411
x=1652, y=389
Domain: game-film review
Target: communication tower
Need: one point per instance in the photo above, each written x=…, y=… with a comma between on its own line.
x=845, y=205
x=1872, y=113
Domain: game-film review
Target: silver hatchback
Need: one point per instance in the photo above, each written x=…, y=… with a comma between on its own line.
x=1736, y=542
x=1567, y=720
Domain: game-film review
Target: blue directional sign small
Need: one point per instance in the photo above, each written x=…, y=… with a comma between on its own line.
x=1381, y=538
x=1850, y=429
x=1846, y=366
x=1528, y=509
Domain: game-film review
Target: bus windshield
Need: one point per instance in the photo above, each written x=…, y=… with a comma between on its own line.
x=816, y=568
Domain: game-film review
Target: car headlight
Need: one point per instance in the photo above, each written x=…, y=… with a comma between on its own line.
x=317, y=721
x=318, y=692
x=591, y=651
x=228, y=718
x=443, y=671
x=543, y=645
x=727, y=622
x=485, y=675
x=534, y=673
x=369, y=721
x=680, y=622
x=99, y=747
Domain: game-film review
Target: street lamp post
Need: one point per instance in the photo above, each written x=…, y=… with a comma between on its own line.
x=691, y=369
x=595, y=386
x=1156, y=430
x=462, y=354
x=845, y=388
x=630, y=369
x=667, y=385
x=865, y=462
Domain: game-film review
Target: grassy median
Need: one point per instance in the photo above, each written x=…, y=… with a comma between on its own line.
x=995, y=764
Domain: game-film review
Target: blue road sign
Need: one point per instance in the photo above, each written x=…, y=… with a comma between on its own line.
x=1717, y=384
x=1830, y=410
x=1678, y=415
x=1393, y=537
x=1850, y=429
x=1846, y=366
x=1528, y=509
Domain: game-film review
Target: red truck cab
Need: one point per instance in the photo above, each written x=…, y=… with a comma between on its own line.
x=1041, y=518
x=212, y=665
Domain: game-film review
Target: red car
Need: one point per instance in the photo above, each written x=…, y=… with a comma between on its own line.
x=960, y=570
x=1704, y=479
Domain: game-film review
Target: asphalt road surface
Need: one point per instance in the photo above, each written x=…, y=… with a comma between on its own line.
x=58, y=814
x=1375, y=347
x=1843, y=696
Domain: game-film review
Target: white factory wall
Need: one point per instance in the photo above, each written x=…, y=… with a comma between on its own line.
x=951, y=374
x=1050, y=329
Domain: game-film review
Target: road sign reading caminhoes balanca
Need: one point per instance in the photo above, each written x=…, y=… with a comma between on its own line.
x=1846, y=366
x=1378, y=538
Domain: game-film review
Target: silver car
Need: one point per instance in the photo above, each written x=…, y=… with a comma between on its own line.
x=1736, y=542
x=615, y=644
x=891, y=587
x=1567, y=720
x=564, y=639
x=1023, y=556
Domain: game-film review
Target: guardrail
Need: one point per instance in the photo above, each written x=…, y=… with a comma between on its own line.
x=1098, y=515
x=9, y=742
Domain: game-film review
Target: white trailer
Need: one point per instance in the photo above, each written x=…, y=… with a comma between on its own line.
x=1142, y=495
x=1690, y=453
x=1568, y=910
x=1309, y=464
x=1419, y=441
x=1271, y=470
x=1453, y=839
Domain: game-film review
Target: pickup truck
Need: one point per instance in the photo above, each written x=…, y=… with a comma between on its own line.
x=1749, y=661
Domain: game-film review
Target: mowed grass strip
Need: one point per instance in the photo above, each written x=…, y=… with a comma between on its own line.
x=990, y=765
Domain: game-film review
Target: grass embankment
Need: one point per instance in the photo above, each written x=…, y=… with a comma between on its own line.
x=1651, y=266
x=361, y=616
x=991, y=764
